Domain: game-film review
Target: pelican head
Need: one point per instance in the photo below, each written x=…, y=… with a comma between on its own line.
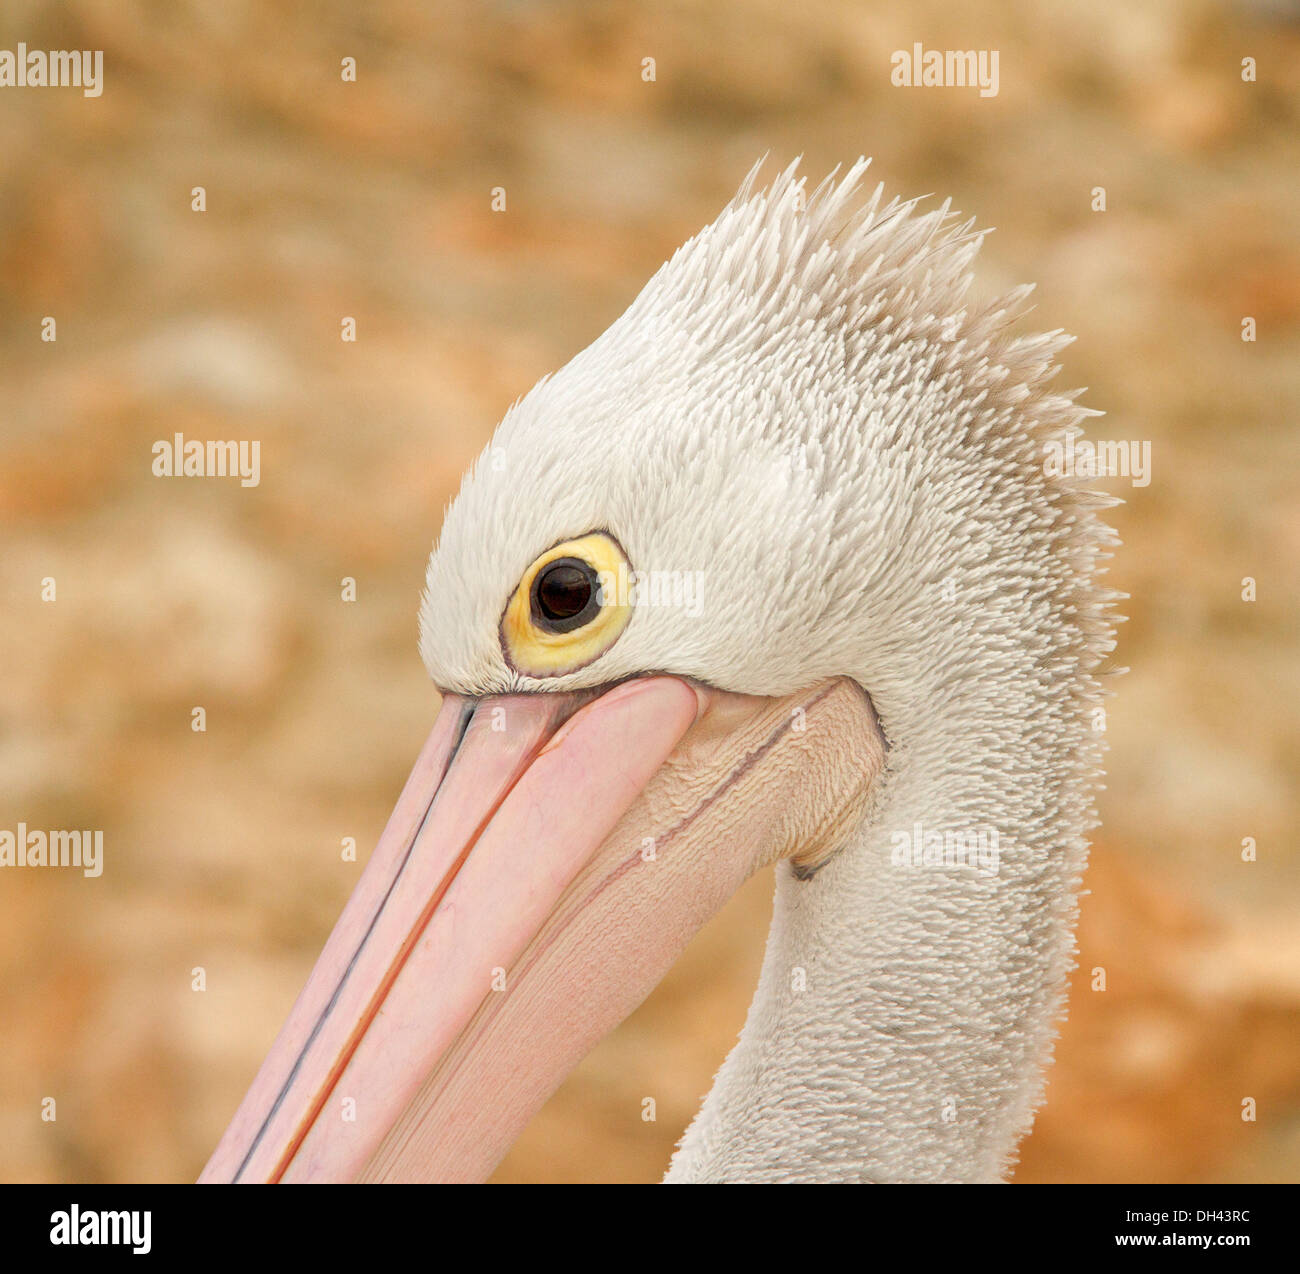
x=773, y=572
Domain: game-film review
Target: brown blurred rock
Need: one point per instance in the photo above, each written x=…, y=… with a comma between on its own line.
x=372, y=200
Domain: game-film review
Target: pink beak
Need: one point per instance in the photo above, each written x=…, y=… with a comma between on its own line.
x=509, y=799
x=516, y=910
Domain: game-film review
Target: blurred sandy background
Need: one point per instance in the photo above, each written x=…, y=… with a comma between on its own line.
x=372, y=199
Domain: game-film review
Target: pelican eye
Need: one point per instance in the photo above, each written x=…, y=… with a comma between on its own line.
x=569, y=607
x=565, y=595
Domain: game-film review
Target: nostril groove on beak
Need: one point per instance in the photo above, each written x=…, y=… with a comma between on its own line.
x=468, y=708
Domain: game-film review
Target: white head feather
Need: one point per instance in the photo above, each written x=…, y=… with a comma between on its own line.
x=803, y=405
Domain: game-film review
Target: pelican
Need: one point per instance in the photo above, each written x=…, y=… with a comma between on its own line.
x=773, y=572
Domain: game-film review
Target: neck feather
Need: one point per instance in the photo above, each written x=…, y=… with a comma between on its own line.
x=906, y=1011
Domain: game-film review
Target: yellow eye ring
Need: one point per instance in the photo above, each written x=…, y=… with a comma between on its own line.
x=570, y=606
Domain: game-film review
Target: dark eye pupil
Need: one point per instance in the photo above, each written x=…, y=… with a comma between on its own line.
x=564, y=594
